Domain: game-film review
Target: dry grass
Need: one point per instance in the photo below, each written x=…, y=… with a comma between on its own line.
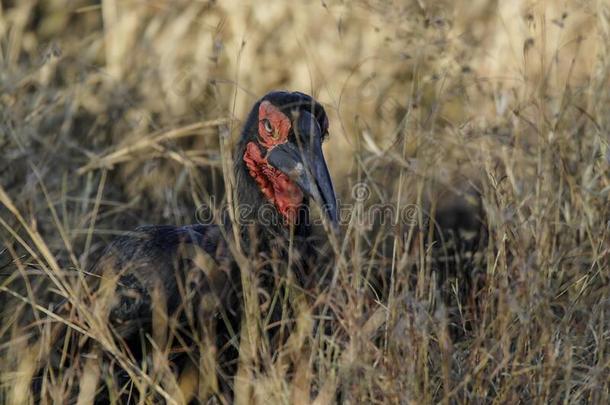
x=124, y=112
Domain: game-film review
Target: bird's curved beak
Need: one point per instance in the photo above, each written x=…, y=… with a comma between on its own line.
x=304, y=163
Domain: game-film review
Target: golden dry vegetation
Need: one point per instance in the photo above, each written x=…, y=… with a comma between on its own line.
x=116, y=113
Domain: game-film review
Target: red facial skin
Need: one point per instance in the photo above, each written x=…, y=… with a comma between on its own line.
x=275, y=185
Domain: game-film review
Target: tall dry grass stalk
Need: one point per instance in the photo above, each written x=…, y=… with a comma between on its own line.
x=486, y=122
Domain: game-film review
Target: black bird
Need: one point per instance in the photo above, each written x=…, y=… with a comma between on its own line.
x=279, y=170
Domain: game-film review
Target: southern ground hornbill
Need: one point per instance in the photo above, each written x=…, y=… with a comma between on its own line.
x=157, y=279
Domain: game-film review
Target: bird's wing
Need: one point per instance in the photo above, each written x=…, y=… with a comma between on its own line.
x=160, y=266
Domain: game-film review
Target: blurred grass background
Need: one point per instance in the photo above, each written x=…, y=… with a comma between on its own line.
x=120, y=113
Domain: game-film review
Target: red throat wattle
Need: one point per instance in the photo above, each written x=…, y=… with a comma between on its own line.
x=275, y=185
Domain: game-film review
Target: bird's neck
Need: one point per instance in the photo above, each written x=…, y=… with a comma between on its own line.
x=263, y=230
x=260, y=220
x=279, y=190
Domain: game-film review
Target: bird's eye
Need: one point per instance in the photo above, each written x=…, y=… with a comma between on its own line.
x=268, y=126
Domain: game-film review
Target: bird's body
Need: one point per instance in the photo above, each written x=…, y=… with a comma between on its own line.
x=274, y=188
x=150, y=257
x=166, y=281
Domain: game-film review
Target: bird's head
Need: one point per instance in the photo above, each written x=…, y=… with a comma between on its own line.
x=279, y=158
